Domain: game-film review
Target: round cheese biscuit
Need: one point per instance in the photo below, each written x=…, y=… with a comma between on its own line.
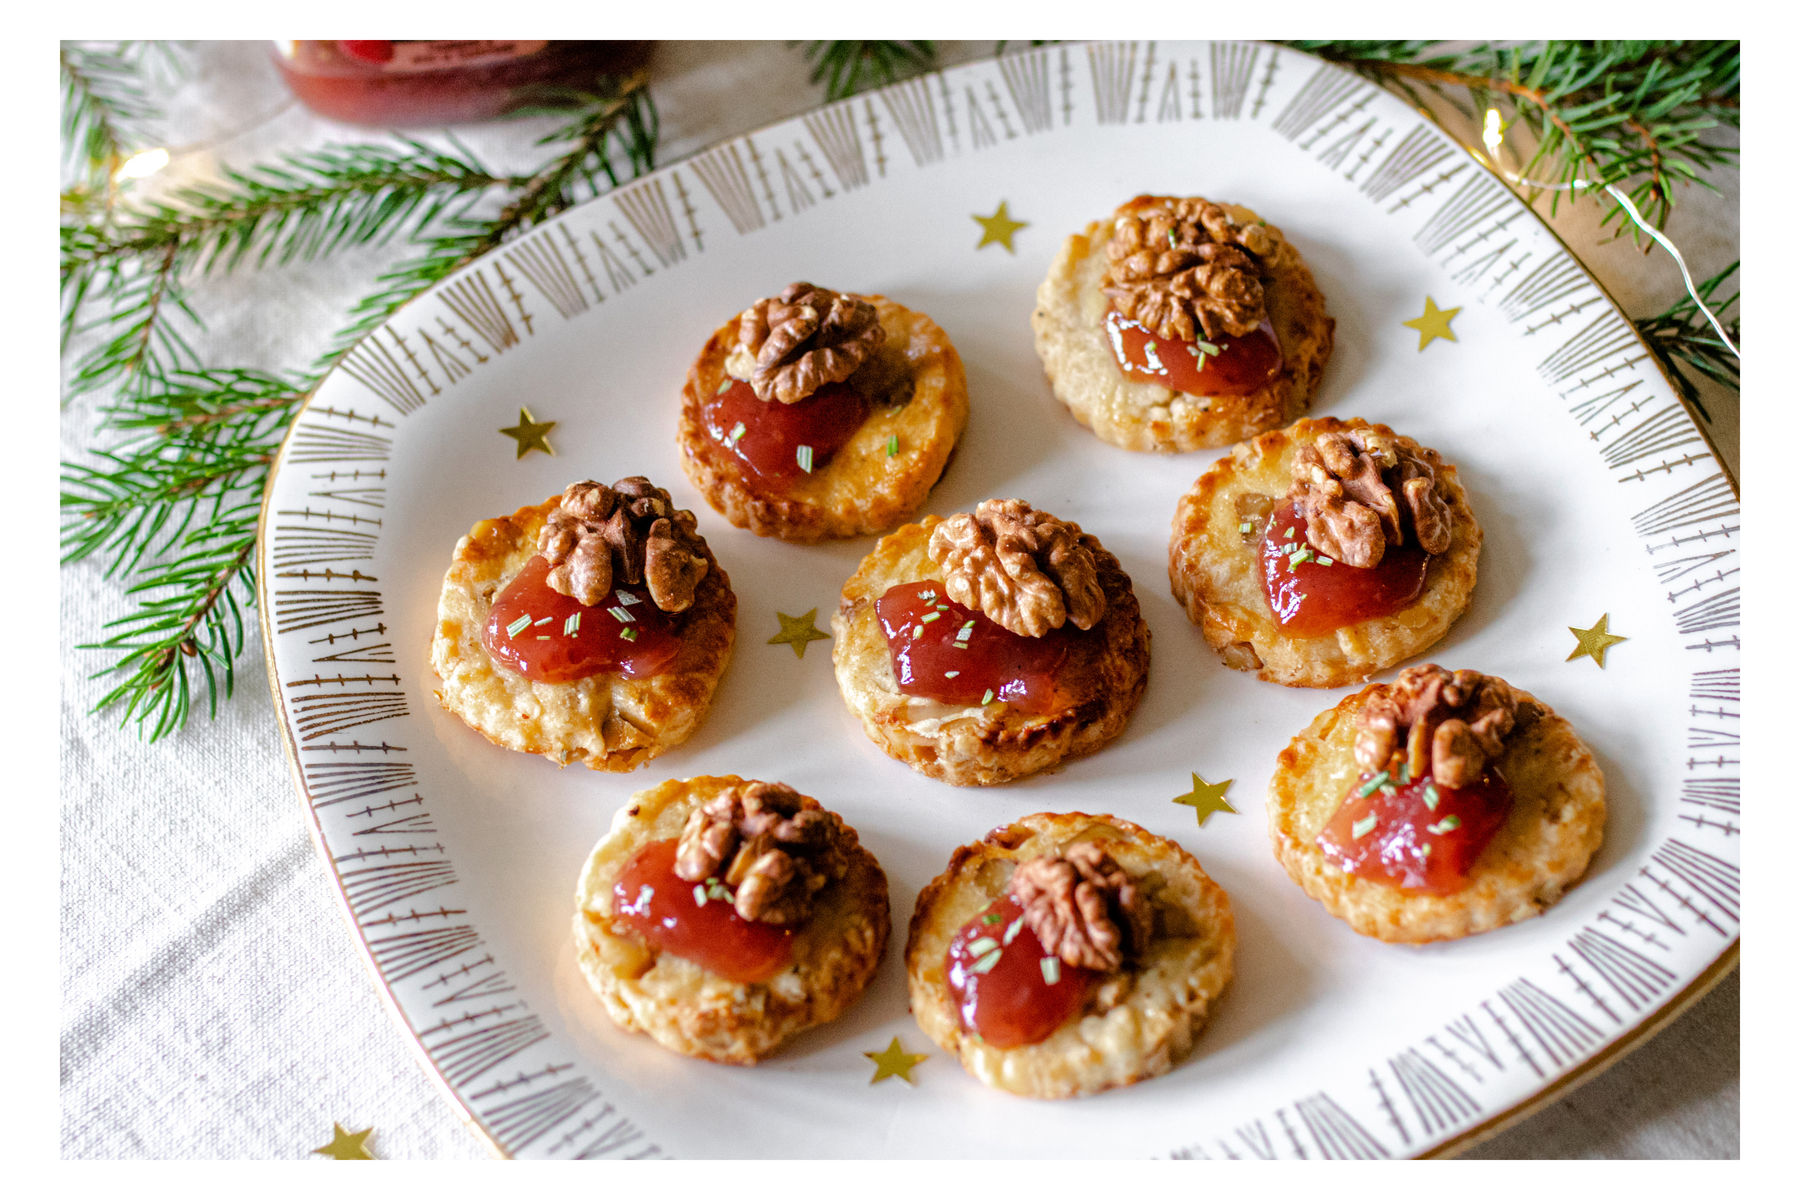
x=1557, y=817
x=988, y=743
x=605, y=721
x=864, y=489
x=1215, y=569
x=687, y=1008
x=1070, y=327
x=1142, y=1020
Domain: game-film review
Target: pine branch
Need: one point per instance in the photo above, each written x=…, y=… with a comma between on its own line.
x=851, y=67
x=105, y=107
x=175, y=506
x=1628, y=114
x=1681, y=337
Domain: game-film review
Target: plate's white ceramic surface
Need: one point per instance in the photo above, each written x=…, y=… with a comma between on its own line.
x=457, y=860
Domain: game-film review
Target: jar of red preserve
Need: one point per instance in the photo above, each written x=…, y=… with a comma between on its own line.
x=444, y=83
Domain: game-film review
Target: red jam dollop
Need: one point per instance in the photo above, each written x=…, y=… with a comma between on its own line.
x=562, y=639
x=696, y=921
x=1230, y=367
x=1418, y=835
x=1007, y=988
x=784, y=442
x=1311, y=597
x=945, y=652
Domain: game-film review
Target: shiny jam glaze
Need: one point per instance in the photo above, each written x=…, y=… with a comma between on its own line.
x=1240, y=366
x=564, y=639
x=767, y=435
x=1023, y=995
x=1311, y=597
x=695, y=922
x=945, y=652
x=1417, y=835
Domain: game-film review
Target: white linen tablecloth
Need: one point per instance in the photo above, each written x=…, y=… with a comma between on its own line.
x=213, y=1004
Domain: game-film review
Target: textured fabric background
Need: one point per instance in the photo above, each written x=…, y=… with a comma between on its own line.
x=212, y=1002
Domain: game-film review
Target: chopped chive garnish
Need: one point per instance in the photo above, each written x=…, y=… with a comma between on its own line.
x=541, y=621
x=543, y=637
x=1207, y=348
x=987, y=695
x=1445, y=825
x=1289, y=532
x=1012, y=931
x=626, y=598
x=1324, y=562
x=1425, y=849
x=700, y=894
x=803, y=456
x=571, y=624
x=1051, y=966
x=1374, y=783
x=1387, y=789
x=518, y=626
x=1431, y=796
x=916, y=631
x=1405, y=773
x=991, y=918
x=987, y=962
x=621, y=614
x=1243, y=527
x=951, y=674
x=725, y=384
x=930, y=617
x=893, y=444
x=628, y=634
x=717, y=892
x=981, y=946
x=1363, y=826
x=737, y=431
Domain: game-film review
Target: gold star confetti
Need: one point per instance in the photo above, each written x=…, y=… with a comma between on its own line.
x=1207, y=798
x=1594, y=642
x=894, y=1061
x=345, y=1145
x=530, y=434
x=798, y=631
x=1434, y=324
x=998, y=228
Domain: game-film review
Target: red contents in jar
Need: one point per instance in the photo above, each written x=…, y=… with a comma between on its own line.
x=444, y=82
x=943, y=651
x=1310, y=597
x=1420, y=835
x=563, y=639
x=695, y=921
x=768, y=436
x=1007, y=988
x=1240, y=366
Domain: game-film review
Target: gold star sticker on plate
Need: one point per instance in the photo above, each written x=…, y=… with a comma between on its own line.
x=1207, y=798
x=798, y=631
x=1593, y=642
x=345, y=1145
x=1434, y=324
x=530, y=434
x=998, y=228
x=894, y=1061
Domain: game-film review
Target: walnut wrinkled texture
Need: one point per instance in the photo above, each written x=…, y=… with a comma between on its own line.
x=1452, y=725
x=1024, y=569
x=777, y=848
x=1184, y=268
x=630, y=532
x=804, y=339
x=1360, y=491
x=1083, y=907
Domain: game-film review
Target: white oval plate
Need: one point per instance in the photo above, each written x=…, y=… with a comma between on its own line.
x=457, y=860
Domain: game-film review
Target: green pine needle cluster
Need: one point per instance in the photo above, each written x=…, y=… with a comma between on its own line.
x=1686, y=344
x=173, y=504
x=847, y=68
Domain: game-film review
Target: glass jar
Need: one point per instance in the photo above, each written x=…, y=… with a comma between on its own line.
x=402, y=83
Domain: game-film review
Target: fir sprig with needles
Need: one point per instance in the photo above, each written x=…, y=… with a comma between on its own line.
x=1686, y=344
x=173, y=504
x=847, y=68
x=1630, y=114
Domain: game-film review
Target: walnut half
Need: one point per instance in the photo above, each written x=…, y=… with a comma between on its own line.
x=777, y=848
x=1184, y=268
x=1360, y=491
x=630, y=531
x=1451, y=725
x=791, y=345
x=1083, y=907
x=1024, y=569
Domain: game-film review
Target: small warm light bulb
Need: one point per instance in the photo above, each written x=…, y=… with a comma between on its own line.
x=1492, y=133
x=143, y=163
